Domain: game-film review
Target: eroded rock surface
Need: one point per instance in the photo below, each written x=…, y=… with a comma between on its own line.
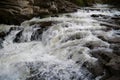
x=17, y=11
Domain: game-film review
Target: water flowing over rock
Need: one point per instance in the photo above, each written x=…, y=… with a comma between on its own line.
x=71, y=46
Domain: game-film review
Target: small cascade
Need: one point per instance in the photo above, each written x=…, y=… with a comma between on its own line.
x=66, y=47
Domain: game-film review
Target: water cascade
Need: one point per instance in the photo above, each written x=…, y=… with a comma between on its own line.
x=60, y=51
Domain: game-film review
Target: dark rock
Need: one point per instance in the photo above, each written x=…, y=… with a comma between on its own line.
x=42, y=26
x=116, y=18
x=114, y=40
x=114, y=78
x=83, y=2
x=68, y=15
x=15, y=12
x=2, y=35
x=1, y=41
x=114, y=65
x=103, y=55
x=116, y=48
x=93, y=15
x=114, y=26
x=109, y=61
x=117, y=51
x=14, y=28
x=17, y=38
x=55, y=15
x=96, y=69
x=116, y=2
x=37, y=35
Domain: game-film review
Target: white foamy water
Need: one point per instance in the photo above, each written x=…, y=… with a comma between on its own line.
x=61, y=52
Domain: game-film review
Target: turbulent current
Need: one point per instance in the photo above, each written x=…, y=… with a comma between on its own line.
x=58, y=51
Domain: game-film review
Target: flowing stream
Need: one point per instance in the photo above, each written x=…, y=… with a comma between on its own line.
x=60, y=51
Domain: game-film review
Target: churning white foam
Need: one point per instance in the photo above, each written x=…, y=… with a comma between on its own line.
x=61, y=52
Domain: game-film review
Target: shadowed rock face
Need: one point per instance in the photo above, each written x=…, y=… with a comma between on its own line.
x=16, y=11
x=83, y=2
x=113, y=2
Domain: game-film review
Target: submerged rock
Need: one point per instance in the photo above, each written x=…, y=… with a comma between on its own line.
x=114, y=65
x=2, y=35
x=97, y=68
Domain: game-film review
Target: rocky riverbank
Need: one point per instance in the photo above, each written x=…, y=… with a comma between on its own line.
x=89, y=37
x=74, y=46
x=17, y=11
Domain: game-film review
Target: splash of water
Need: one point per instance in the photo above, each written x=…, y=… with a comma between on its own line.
x=61, y=53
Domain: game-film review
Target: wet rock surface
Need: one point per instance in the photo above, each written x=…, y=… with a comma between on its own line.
x=95, y=51
x=17, y=11
x=110, y=59
x=2, y=35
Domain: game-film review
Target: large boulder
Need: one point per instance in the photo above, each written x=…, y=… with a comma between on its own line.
x=16, y=11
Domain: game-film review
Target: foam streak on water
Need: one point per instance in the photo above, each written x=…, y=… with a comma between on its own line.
x=61, y=53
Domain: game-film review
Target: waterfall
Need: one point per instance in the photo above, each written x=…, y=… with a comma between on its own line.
x=60, y=51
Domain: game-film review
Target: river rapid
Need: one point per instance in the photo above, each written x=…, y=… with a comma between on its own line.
x=61, y=50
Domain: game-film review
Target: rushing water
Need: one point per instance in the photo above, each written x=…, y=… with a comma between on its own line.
x=60, y=51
